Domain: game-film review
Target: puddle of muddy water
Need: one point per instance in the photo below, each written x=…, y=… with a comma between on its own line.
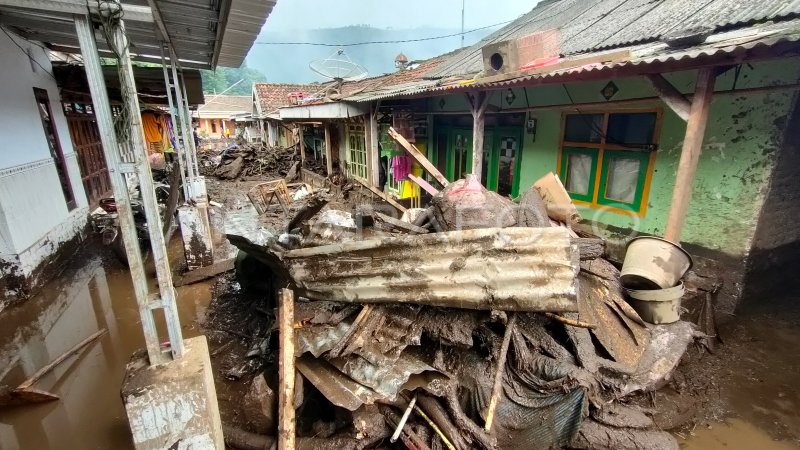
x=89, y=414
x=733, y=434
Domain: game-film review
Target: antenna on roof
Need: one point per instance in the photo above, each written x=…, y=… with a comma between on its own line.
x=339, y=67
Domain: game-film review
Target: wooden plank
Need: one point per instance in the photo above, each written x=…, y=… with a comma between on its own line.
x=300, y=129
x=670, y=95
x=328, y=151
x=204, y=273
x=499, y=371
x=286, y=371
x=690, y=153
x=417, y=155
x=75, y=349
x=385, y=197
x=399, y=225
x=423, y=184
x=25, y=396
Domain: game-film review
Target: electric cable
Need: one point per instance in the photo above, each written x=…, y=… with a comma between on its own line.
x=400, y=41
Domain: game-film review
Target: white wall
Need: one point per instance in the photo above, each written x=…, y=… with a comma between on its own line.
x=32, y=204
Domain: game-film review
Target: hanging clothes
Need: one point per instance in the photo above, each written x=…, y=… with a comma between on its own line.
x=153, y=131
x=401, y=167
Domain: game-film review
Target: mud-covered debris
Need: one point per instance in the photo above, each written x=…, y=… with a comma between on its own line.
x=466, y=205
x=259, y=406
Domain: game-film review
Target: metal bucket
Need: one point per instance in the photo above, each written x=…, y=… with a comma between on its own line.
x=659, y=305
x=653, y=263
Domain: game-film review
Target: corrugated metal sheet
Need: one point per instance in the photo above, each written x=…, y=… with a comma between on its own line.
x=513, y=269
x=392, y=91
x=203, y=33
x=726, y=43
x=545, y=15
x=590, y=25
x=659, y=54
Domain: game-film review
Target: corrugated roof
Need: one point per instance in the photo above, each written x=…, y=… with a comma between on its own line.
x=727, y=43
x=591, y=25
x=273, y=96
x=224, y=106
x=204, y=33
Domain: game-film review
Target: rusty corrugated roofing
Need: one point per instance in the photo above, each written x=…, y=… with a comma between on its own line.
x=273, y=96
x=514, y=269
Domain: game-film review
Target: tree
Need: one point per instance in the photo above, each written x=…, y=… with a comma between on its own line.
x=217, y=81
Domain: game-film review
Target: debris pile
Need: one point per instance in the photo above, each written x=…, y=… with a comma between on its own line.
x=474, y=323
x=249, y=161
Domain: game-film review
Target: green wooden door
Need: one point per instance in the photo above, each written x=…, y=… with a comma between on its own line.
x=502, y=151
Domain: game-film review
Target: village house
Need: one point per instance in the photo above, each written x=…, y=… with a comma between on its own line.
x=637, y=106
x=268, y=98
x=43, y=206
x=217, y=117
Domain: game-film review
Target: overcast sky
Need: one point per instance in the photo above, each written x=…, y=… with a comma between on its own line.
x=311, y=14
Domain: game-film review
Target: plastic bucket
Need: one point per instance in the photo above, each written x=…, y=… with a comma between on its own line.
x=659, y=305
x=653, y=263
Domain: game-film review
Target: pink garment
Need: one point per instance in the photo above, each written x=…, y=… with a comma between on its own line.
x=401, y=167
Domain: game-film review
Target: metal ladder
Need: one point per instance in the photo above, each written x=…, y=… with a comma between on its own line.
x=127, y=162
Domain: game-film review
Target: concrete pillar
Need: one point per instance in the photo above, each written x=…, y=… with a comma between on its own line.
x=173, y=405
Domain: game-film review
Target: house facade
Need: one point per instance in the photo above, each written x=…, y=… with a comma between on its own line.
x=217, y=117
x=609, y=113
x=43, y=207
x=267, y=99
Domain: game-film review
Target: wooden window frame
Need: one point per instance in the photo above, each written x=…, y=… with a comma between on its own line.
x=42, y=97
x=603, y=150
x=356, y=157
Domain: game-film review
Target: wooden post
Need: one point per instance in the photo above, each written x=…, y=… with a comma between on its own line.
x=478, y=109
x=374, y=146
x=328, y=151
x=670, y=95
x=690, y=154
x=300, y=129
x=286, y=425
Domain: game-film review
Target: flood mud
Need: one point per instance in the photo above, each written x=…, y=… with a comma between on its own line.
x=93, y=293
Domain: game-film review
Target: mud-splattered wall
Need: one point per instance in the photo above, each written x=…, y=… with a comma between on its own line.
x=743, y=135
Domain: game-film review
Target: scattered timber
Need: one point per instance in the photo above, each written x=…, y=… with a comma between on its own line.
x=24, y=393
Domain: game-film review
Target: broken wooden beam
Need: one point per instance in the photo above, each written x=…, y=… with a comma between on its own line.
x=690, y=153
x=385, y=197
x=671, y=96
x=24, y=393
x=286, y=371
x=419, y=157
x=423, y=184
x=204, y=273
x=501, y=369
x=392, y=224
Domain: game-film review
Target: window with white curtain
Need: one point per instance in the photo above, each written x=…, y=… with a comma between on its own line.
x=607, y=158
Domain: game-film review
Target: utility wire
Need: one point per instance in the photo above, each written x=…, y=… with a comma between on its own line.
x=401, y=41
x=27, y=55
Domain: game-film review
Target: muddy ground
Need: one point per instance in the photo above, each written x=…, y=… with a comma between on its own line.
x=744, y=396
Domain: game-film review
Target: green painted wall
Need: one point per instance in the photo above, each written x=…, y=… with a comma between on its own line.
x=742, y=137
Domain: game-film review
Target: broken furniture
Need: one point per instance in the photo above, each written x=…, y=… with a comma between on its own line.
x=262, y=195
